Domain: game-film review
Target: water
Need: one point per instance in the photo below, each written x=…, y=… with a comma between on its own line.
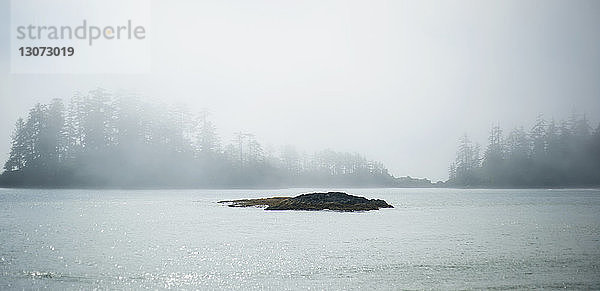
x=434, y=238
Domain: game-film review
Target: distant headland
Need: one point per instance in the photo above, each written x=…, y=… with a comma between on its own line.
x=98, y=140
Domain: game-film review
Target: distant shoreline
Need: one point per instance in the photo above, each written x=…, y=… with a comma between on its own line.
x=299, y=187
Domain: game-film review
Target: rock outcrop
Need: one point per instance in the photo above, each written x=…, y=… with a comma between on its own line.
x=338, y=201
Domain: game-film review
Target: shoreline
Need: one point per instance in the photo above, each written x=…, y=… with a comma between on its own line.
x=297, y=187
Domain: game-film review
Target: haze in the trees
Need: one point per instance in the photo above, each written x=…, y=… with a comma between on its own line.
x=99, y=140
x=550, y=154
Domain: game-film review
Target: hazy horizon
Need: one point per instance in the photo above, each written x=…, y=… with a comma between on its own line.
x=398, y=82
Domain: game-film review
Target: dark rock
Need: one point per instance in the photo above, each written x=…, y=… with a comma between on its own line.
x=314, y=201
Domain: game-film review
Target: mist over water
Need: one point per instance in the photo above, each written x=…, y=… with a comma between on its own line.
x=412, y=103
x=106, y=141
x=397, y=81
x=103, y=140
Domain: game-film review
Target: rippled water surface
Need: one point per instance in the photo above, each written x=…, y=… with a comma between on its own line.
x=433, y=238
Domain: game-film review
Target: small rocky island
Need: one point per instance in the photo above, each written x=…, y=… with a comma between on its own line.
x=337, y=201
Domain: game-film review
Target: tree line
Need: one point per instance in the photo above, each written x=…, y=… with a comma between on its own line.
x=550, y=154
x=102, y=140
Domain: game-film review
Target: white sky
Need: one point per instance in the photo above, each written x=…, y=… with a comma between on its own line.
x=398, y=81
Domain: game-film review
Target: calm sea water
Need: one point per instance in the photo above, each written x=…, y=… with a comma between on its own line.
x=183, y=239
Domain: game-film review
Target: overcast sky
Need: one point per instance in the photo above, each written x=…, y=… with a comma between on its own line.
x=398, y=81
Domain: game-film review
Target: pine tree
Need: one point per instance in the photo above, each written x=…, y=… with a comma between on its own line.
x=18, y=149
x=494, y=156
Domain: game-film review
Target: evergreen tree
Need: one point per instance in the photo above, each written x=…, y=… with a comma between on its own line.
x=467, y=163
x=18, y=149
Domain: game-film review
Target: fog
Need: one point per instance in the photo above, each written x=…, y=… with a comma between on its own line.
x=398, y=82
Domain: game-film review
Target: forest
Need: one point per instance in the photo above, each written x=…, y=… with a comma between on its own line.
x=550, y=154
x=102, y=140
